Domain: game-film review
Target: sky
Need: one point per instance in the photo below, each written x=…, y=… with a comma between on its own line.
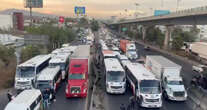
x=105, y=8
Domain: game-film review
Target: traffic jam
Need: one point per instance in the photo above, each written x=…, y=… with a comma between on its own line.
x=39, y=79
x=149, y=79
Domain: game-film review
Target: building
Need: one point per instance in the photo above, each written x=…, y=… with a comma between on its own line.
x=10, y=40
x=6, y=22
x=36, y=40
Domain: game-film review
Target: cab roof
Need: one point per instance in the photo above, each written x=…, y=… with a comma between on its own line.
x=112, y=64
x=35, y=61
x=48, y=73
x=140, y=72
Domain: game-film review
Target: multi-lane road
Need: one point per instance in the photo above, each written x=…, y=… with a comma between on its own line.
x=113, y=102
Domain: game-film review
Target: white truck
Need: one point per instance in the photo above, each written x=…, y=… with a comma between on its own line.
x=145, y=86
x=129, y=48
x=169, y=74
x=115, y=76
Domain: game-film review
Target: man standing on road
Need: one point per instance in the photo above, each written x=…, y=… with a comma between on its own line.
x=9, y=95
x=122, y=107
x=132, y=102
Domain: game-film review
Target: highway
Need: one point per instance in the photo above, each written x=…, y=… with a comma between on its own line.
x=113, y=102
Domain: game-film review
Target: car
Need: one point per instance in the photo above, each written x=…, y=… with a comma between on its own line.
x=147, y=48
x=198, y=68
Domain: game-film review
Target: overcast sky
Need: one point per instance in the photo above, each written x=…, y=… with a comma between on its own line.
x=105, y=8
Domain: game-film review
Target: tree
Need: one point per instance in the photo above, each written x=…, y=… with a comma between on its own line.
x=57, y=36
x=29, y=52
x=83, y=22
x=177, y=43
x=94, y=25
x=155, y=35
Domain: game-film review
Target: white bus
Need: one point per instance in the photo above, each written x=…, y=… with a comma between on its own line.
x=27, y=71
x=49, y=78
x=115, y=76
x=62, y=60
x=145, y=87
x=27, y=100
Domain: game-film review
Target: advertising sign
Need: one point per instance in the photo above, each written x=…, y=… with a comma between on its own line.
x=161, y=12
x=61, y=19
x=33, y=4
x=79, y=10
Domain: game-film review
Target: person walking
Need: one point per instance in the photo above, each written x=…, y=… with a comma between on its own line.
x=132, y=102
x=52, y=96
x=122, y=107
x=9, y=95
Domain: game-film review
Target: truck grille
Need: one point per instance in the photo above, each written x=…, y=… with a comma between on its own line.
x=116, y=87
x=152, y=100
x=23, y=83
x=178, y=94
x=75, y=90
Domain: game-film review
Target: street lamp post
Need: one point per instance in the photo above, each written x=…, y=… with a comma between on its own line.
x=177, y=4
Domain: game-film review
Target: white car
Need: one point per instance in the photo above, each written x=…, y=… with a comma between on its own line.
x=198, y=68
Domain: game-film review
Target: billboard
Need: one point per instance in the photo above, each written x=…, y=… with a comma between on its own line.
x=61, y=19
x=79, y=10
x=161, y=12
x=33, y=3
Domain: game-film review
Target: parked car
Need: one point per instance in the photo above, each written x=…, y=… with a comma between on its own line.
x=198, y=68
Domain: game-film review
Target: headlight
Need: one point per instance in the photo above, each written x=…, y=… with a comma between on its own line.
x=84, y=91
x=107, y=85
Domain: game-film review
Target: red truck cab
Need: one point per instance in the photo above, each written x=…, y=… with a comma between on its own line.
x=77, y=78
x=78, y=73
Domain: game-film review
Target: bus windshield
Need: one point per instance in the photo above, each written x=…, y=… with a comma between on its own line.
x=26, y=72
x=175, y=83
x=115, y=76
x=77, y=76
x=150, y=87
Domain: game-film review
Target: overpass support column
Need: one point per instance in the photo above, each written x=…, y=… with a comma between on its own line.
x=144, y=29
x=119, y=28
x=168, y=34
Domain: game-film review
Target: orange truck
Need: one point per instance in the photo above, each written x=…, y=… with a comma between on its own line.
x=129, y=49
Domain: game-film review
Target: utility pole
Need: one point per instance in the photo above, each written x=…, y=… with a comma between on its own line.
x=177, y=5
x=30, y=12
x=162, y=3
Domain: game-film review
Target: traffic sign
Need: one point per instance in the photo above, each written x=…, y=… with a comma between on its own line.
x=61, y=19
x=79, y=10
